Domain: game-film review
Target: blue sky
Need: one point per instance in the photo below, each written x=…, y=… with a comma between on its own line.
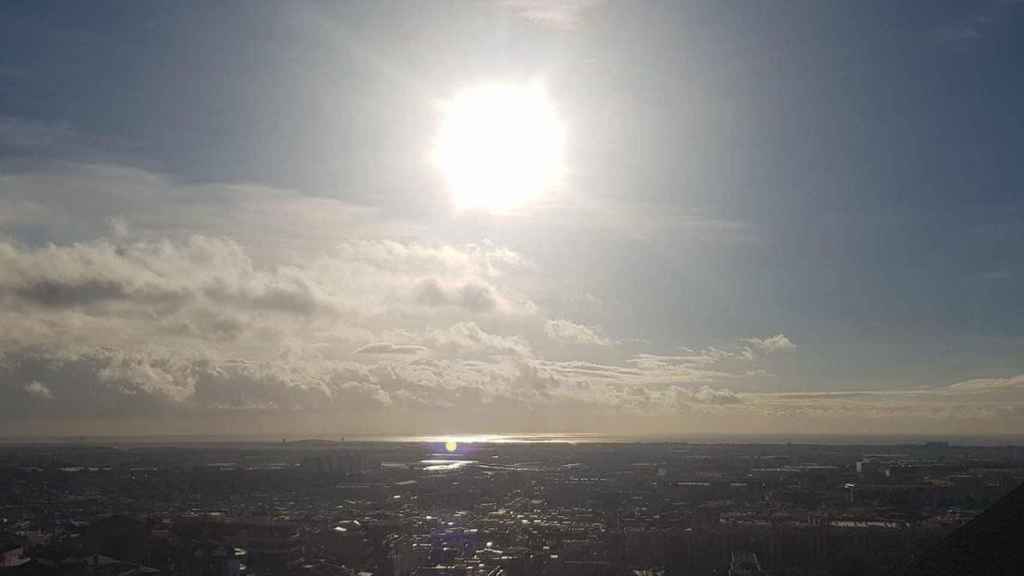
x=768, y=198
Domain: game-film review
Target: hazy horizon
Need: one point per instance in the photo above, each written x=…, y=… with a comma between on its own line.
x=447, y=218
x=547, y=438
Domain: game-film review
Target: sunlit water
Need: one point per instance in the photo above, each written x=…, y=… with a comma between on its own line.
x=445, y=465
x=467, y=440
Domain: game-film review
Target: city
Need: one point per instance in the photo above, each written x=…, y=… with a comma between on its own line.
x=329, y=508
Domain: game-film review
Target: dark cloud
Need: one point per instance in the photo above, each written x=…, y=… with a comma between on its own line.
x=295, y=299
x=75, y=386
x=205, y=323
x=110, y=384
x=477, y=298
x=429, y=293
x=57, y=293
x=474, y=297
x=65, y=294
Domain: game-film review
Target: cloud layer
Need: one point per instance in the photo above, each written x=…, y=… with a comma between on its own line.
x=235, y=309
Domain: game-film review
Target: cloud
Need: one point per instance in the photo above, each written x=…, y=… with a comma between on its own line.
x=67, y=203
x=776, y=343
x=148, y=324
x=735, y=363
x=388, y=348
x=430, y=293
x=578, y=368
x=284, y=293
x=370, y=390
x=208, y=289
x=572, y=333
x=160, y=275
x=504, y=381
x=132, y=373
x=474, y=297
x=477, y=298
x=56, y=293
x=469, y=338
x=205, y=308
x=39, y=390
x=991, y=404
x=709, y=395
x=988, y=384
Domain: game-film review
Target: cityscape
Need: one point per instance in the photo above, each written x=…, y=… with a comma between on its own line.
x=450, y=508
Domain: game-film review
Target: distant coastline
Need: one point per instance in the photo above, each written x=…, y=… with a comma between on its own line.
x=520, y=438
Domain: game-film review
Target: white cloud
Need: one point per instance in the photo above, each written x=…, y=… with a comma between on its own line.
x=776, y=343
x=572, y=333
x=371, y=390
x=468, y=338
x=988, y=384
x=388, y=348
x=132, y=373
x=141, y=316
x=711, y=395
x=39, y=390
x=233, y=300
x=209, y=289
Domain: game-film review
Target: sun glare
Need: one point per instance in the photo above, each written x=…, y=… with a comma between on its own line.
x=499, y=146
x=451, y=445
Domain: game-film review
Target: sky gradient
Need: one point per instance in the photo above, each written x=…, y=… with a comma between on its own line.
x=776, y=217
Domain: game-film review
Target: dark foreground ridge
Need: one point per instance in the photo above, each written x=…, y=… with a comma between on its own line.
x=992, y=544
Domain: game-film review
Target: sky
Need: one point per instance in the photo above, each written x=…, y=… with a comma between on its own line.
x=769, y=218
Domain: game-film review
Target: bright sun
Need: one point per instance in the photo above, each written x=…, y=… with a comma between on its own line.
x=500, y=146
x=451, y=445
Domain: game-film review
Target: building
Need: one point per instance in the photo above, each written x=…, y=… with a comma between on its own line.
x=745, y=564
x=12, y=551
